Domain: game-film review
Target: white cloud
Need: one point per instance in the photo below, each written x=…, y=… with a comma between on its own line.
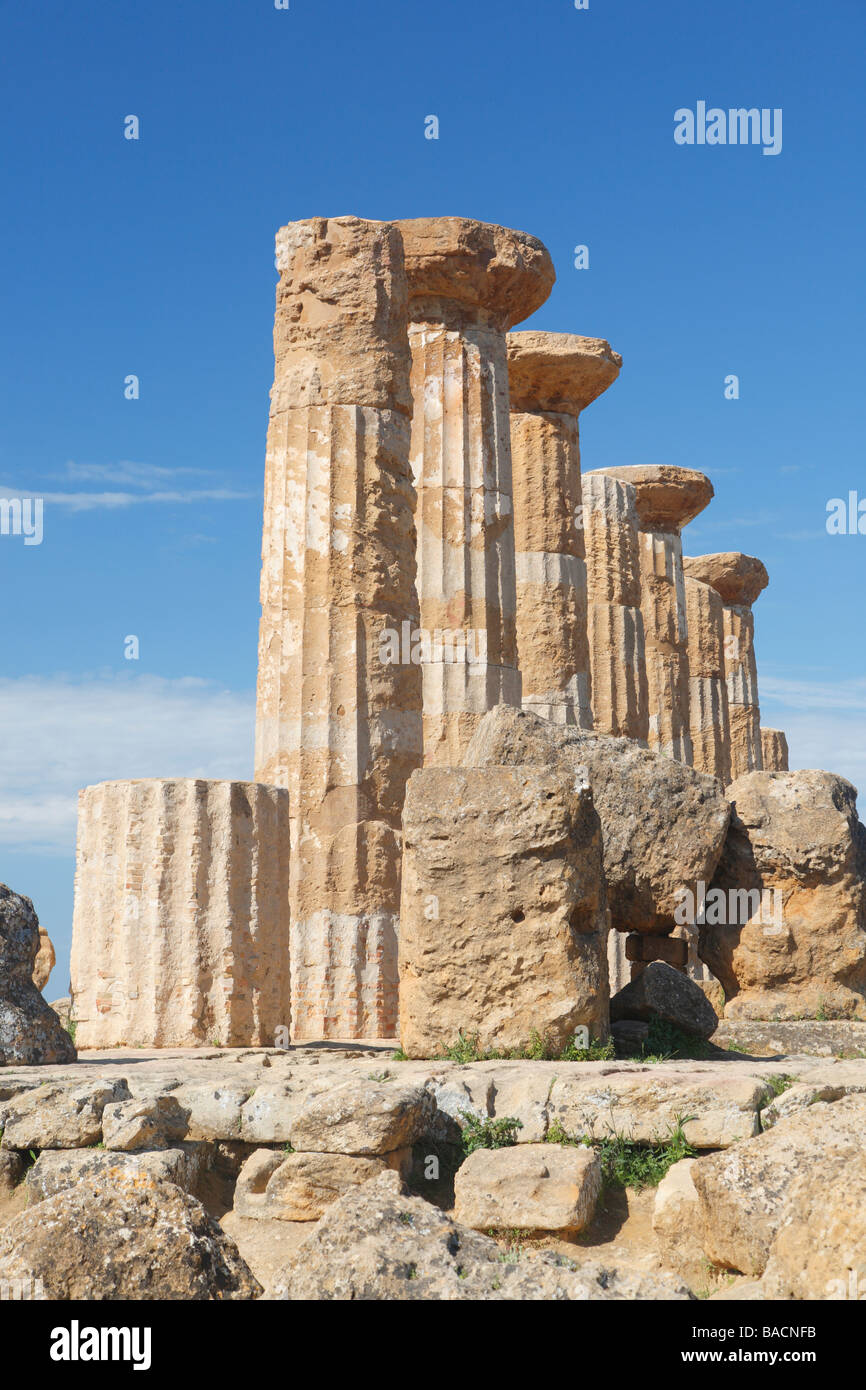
x=91, y=501
x=825, y=723
x=61, y=734
x=152, y=481
x=127, y=474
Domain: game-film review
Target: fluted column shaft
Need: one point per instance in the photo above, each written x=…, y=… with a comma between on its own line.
x=709, y=719
x=180, y=932
x=461, y=465
x=339, y=698
x=774, y=749
x=552, y=378
x=666, y=499
x=615, y=624
x=468, y=283
x=738, y=579
x=741, y=672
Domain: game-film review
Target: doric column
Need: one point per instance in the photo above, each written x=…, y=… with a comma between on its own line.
x=339, y=700
x=180, y=933
x=709, y=720
x=666, y=498
x=468, y=283
x=617, y=655
x=738, y=579
x=552, y=378
x=774, y=749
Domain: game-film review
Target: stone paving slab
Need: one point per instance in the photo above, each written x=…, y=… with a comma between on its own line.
x=253, y=1096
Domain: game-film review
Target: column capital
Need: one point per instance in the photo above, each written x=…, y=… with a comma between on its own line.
x=482, y=268
x=558, y=372
x=667, y=498
x=736, y=578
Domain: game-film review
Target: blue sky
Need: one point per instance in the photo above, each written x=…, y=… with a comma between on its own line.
x=155, y=258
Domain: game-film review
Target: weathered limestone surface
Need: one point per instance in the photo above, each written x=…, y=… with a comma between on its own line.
x=677, y=1223
x=468, y=283
x=666, y=499
x=709, y=719
x=378, y=1242
x=171, y=1249
x=30, y=1031
x=792, y=943
x=747, y=1193
x=180, y=929
x=541, y=1187
x=45, y=960
x=738, y=579
x=339, y=714
x=774, y=750
x=263, y=1097
x=819, y=1249
x=718, y=1107
x=552, y=378
x=663, y=824
x=55, y=1116
x=365, y=1118
x=504, y=917
x=298, y=1186
x=615, y=625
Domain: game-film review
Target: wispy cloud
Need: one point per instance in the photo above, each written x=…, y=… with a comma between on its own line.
x=59, y=735
x=128, y=474
x=135, y=484
x=825, y=722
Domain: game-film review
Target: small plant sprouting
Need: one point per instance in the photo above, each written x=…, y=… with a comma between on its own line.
x=541, y=1047
x=487, y=1133
x=665, y=1042
x=626, y=1163
x=780, y=1083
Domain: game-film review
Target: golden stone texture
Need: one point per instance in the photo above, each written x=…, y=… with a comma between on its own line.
x=552, y=377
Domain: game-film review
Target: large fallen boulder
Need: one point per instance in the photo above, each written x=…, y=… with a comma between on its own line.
x=379, y=1243
x=663, y=824
x=503, y=920
x=123, y=1238
x=748, y=1192
x=786, y=913
x=667, y=994
x=30, y=1031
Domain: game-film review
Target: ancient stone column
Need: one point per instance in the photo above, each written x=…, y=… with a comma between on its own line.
x=709, y=720
x=738, y=579
x=666, y=498
x=774, y=750
x=552, y=378
x=468, y=283
x=338, y=718
x=180, y=933
x=617, y=653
